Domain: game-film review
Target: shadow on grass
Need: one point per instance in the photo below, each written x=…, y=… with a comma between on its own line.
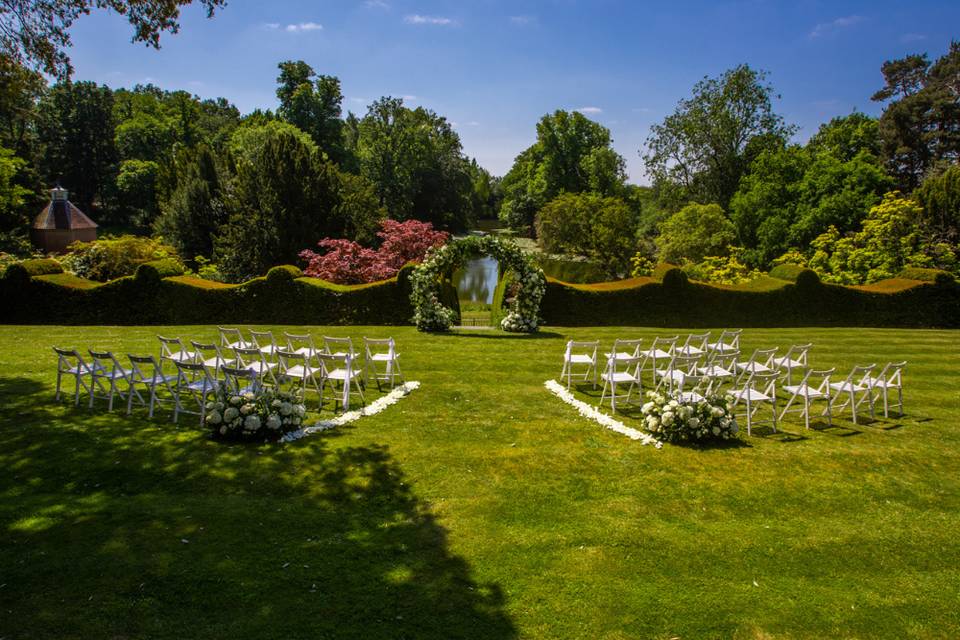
x=122, y=527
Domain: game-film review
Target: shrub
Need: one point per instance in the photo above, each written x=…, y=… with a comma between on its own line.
x=722, y=269
x=787, y=272
x=41, y=266
x=347, y=262
x=694, y=232
x=662, y=269
x=675, y=279
x=926, y=275
x=641, y=265
x=165, y=267
x=284, y=273
x=110, y=258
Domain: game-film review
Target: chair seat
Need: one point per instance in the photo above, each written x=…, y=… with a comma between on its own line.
x=722, y=347
x=151, y=380
x=674, y=374
x=750, y=394
x=304, y=351
x=343, y=354
x=689, y=397
x=691, y=351
x=788, y=362
x=75, y=371
x=241, y=344
x=300, y=371
x=216, y=362
x=655, y=353
x=183, y=356
x=804, y=390
x=201, y=385
x=580, y=358
x=620, y=355
x=113, y=374
x=260, y=367
x=847, y=386
x=884, y=384
x=383, y=357
x=269, y=349
x=341, y=374
x=755, y=367
x=715, y=371
x=619, y=376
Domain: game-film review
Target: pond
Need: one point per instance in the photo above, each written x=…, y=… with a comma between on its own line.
x=477, y=280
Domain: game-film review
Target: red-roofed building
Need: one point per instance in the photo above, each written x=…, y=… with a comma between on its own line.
x=61, y=224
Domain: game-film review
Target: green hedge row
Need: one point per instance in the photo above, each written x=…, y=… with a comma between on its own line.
x=281, y=297
x=676, y=302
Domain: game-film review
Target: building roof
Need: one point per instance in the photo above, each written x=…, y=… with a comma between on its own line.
x=61, y=214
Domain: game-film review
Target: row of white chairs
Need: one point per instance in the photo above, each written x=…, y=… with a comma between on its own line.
x=698, y=368
x=197, y=378
x=262, y=350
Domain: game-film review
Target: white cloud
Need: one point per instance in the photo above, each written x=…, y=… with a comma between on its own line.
x=376, y=4
x=408, y=98
x=522, y=21
x=303, y=26
x=590, y=110
x=826, y=28
x=434, y=20
x=912, y=37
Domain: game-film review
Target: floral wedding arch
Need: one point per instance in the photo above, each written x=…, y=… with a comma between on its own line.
x=431, y=315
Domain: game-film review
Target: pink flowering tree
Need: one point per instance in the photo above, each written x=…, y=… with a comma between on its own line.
x=346, y=262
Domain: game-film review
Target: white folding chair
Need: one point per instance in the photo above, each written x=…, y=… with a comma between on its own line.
x=761, y=361
x=720, y=368
x=890, y=378
x=696, y=344
x=232, y=338
x=621, y=372
x=856, y=389
x=757, y=389
x=255, y=360
x=674, y=372
x=728, y=341
x=381, y=351
x=344, y=378
x=108, y=373
x=297, y=368
x=211, y=355
x=339, y=346
x=172, y=349
x=265, y=342
x=794, y=359
x=147, y=371
x=624, y=349
x=585, y=356
x=238, y=381
x=302, y=344
x=814, y=386
x=196, y=383
x=71, y=363
x=692, y=388
x=661, y=350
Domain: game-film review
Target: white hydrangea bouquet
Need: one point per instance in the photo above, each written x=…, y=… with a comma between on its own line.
x=263, y=413
x=671, y=420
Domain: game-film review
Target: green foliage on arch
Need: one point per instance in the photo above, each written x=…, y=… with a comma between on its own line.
x=431, y=315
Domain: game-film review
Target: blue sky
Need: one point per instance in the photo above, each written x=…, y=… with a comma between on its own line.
x=494, y=68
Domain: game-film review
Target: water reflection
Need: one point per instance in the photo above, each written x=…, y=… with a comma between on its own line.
x=477, y=280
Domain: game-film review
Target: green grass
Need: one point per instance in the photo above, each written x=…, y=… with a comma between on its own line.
x=479, y=507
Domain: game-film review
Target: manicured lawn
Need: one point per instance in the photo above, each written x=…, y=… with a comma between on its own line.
x=479, y=507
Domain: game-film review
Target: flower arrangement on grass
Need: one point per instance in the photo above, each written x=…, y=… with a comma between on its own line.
x=260, y=414
x=672, y=420
x=431, y=315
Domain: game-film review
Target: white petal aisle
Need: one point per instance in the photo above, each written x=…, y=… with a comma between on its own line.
x=591, y=412
x=373, y=408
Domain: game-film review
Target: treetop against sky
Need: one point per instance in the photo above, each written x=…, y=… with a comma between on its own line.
x=494, y=68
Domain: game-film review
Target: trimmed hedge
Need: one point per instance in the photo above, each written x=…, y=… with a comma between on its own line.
x=34, y=267
x=574, y=271
x=164, y=268
x=662, y=269
x=927, y=275
x=791, y=272
x=678, y=303
x=281, y=297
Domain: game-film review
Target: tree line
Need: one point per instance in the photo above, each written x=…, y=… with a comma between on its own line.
x=728, y=184
x=249, y=190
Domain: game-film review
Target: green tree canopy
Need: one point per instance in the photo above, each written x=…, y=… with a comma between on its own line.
x=695, y=232
x=572, y=154
x=312, y=103
x=701, y=149
x=920, y=125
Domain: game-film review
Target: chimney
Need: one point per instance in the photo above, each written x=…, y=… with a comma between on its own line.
x=58, y=194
